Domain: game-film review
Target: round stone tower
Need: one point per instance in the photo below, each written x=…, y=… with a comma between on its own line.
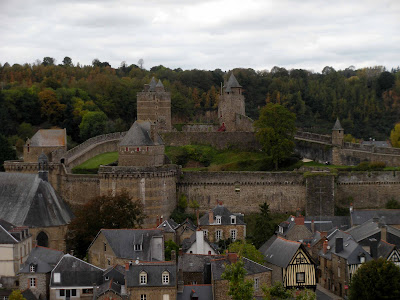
x=337, y=134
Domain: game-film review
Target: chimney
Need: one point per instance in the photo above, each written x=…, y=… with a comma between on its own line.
x=126, y=266
x=299, y=220
x=384, y=233
x=197, y=217
x=199, y=242
x=173, y=255
x=325, y=246
x=338, y=245
x=220, y=203
x=374, y=248
x=210, y=217
x=180, y=281
x=232, y=257
x=312, y=226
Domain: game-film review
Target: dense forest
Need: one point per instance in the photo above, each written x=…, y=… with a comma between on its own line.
x=95, y=99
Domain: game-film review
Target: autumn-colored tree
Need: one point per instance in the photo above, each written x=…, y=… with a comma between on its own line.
x=395, y=136
x=107, y=211
x=16, y=295
x=50, y=107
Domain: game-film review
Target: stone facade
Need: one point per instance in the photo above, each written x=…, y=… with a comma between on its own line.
x=152, y=293
x=55, y=234
x=42, y=284
x=145, y=156
x=320, y=194
x=225, y=230
x=334, y=275
x=100, y=258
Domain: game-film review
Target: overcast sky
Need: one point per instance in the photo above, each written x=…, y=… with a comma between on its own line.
x=204, y=34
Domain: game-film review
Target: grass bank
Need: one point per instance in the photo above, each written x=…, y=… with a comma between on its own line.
x=92, y=165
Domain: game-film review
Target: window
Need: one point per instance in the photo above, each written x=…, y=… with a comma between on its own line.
x=73, y=292
x=233, y=234
x=143, y=297
x=218, y=219
x=143, y=277
x=218, y=235
x=138, y=247
x=108, y=261
x=165, y=277
x=32, y=282
x=32, y=268
x=165, y=297
x=57, y=277
x=237, y=189
x=105, y=247
x=205, y=232
x=338, y=271
x=194, y=282
x=233, y=219
x=87, y=291
x=61, y=292
x=362, y=259
x=300, y=277
x=256, y=283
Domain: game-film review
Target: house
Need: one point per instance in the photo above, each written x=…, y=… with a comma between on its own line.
x=73, y=278
x=151, y=280
x=168, y=228
x=199, y=244
x=113, y=286
x=195, y=269
x=196, y=292
x=34, y=275
x=339, y=259
x=294, y=229
x=15, y=246
x=387, y=251
x=388, y=216
x=30, y=200
x=220, y=224
x=118, y=246
x=290, y=262
x=259, y=274
x=184, y=230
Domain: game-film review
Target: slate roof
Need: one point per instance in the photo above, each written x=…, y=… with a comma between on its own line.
x=364, y=230
x=27, y=200
x=279, y=251
x=326, y=223
x=44, y=258
x=6, y=237
x=154, y=274
x=159, y=83
x=108, y=286
x=195, y=262
x=202, y=291
x=225, y=214
x=168, y=225
x=49, y=138
x=139, y=135
x=382, y=144
x=188, y=223
x=251, y=267
x=384, y=249
x=152, y=85
x=122, y=242
x=232, y=83
x=28, y=295
x=188, y=242
x=391, y=216
x=75, y=272
x=116, y=272
x=337, y=125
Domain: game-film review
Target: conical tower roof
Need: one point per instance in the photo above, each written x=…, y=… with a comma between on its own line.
x=139, y=135
x=152, y=84
x=159, y=83
x=337, y=125
x=232, y=83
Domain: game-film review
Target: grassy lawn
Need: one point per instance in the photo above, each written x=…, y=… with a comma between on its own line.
x=92, y=165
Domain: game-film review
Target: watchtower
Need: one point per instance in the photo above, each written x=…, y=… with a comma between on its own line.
x=154, y=104
x=337, y=134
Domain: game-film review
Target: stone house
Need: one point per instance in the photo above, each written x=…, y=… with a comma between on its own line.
x=45, y=141
x=152, y=280
x=387, y=251
x=199, y=244
x=113, y=286
x=195, y=269
x=30, y=200
x=35, y=273
x=290, y=262
x=168, y=228
x=259, y=274
x=339, y=259
x=118, y=246
x=73, y=278
x=184, y=230
x=15, y=246
x=220, y=224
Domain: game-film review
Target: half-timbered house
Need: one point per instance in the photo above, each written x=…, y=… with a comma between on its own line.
x=290, y=262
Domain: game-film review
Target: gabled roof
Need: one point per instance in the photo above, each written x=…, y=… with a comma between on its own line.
x=187, y=223
x=28, y=295
x=390, y=216
x=44, y=258
x=326, y=223
x=188, y=242
x=251, y=267
x=49, y=138
x=116, y=273
x=154, y=274
x=337, y=125
x=225, y=214
x=279, y=251
x=195, y=262
x=232, y=83
x=384, y=249
x=122, y=242
x=139, y=135
x=6, y=237
x=168, y=225
x=108, y=286
x=364, y=230
x=203, y=292
x=75, y=272
x=27, y=200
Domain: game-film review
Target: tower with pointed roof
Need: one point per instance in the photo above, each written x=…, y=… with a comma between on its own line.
x=154, y=105
x=231, y=107
x=337, y=134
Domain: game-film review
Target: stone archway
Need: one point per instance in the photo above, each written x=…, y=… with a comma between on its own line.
x=42, y=239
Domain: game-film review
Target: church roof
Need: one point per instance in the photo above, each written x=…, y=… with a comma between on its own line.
x=337, y=125
x=232, y=83
x=49, y=138
x=139, y=135
x=27, y=200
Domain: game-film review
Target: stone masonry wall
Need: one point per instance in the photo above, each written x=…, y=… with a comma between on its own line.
x=320, y=194
x=42, y=283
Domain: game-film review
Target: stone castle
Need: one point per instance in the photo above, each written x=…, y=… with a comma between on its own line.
x=145, y=172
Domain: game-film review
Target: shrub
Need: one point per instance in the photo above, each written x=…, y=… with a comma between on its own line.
x=392, y=204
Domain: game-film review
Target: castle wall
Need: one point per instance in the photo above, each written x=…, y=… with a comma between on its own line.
x=33, y=154
x=243, y=123
x=352, y=156
x=244, y=191
x=317, y=151
x=155, y=187
x=143, y=156
x=156, y=107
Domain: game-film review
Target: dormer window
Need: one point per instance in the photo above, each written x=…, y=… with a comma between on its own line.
x=143, y=277
x=218, y=219
x=165, y=277
x=233, y=219
x=362, y=259
x=31, y=268
x=138, y=247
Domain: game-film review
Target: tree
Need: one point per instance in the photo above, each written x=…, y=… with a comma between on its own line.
x=107, y=211
x=382, y=278
x=48, y=61
x=50, y=107
x=16, y=295
x=239, y=287
x=276, y=292
x=6, y=152
x=244, y=249
x=93, y=123
x=67, y=61
x=275, y=131
x=140, y=63
x=395, y=136
x=264, y=227
x=169, y=246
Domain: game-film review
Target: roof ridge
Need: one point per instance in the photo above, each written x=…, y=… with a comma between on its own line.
x=388, y=243
x=257, y=263
x=279, y=237
x=9, y=234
